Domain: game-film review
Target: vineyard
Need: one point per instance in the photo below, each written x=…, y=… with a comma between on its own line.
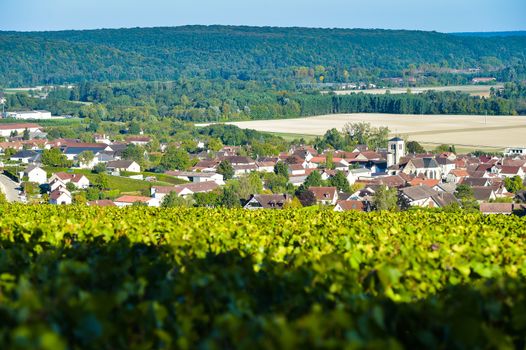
x=142, y=278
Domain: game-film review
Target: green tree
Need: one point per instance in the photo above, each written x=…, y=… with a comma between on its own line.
x=314, y=179
x=293, y=204
x=86, y=157
x=3, y=199
x=55, y=158
x=340, y=181
x=70, y=186
x=247, y=185
x=385, y=199
x=329, y=162
x=514, y=184
x=305, y=196
x=467, y=200
x=26, y=135
x=229, y=198
x=226, y=169
x=134, y=152
x=275, y=183
x=207, y=199
x=414, y=147
x=281, y=168
x=102, y=181
x=99, y=168
x=175, y=158
x=173, y=200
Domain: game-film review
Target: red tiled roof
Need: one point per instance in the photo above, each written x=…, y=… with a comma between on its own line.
x=352, y=205
x=133, y=199
x=10, y=126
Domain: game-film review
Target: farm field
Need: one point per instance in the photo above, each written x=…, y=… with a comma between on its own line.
x=140, y=278
x=473, y=90
x=462, y=130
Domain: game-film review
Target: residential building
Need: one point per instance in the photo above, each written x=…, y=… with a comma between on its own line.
x=325, y=195
x=267, y=201
x=34, y=173
x=123, y=165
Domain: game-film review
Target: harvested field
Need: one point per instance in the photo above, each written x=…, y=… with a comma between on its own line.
x=462, y=130
x=473, y=90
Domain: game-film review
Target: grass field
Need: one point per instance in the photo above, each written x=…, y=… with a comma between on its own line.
x=493, y=132
x=473, y=90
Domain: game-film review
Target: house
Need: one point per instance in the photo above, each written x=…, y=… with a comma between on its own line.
x=456, y=175
x=483, y=193
x=446, y=187
x=511, y=171
x=496, y=208
x=102, y=139
x=206, y=166
x=60, y=196
x=391, y=181
x=347, y=205
x=123, y=165
x=73, y=150
x=159, y=192
x=358, y=174
x=296, y=170
x=242, y=169
x=446, y=165
x=26, y=157
x=18, y=128
x=35, y=174
x=423, y=166
x=239, y=160
x=297, y=180
x=325, y=195
x=419, y=196
x=515, y=151
x=476, y=181
x=101, y=203
x=125, y=201
x=267, y=201
x=420, y=181
x=139, y=140
x=61, y=179
x=265, y=166
x=194, y=176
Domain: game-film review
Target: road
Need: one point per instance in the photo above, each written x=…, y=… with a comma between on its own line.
x=9, y=187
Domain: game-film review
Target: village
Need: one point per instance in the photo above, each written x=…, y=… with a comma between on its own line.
x=101, y=173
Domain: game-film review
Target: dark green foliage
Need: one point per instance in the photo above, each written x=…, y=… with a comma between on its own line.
x=175, y=158
x=305, y=196
x=281, y=168
x=55, y=158
x=385, y=199
x=248, y=53
x=514, y=184
x=229, y=198
x=414, y=147
x=340, y=181
x=314, y=179
x=226, y=169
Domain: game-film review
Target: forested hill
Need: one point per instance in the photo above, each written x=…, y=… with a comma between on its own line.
x=248, y=53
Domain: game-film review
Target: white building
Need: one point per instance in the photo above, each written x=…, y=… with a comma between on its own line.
x=60, y=196
x=29, y=115
x=515, y=151
x=7, y=129
x=35, y=174
x=396, y=150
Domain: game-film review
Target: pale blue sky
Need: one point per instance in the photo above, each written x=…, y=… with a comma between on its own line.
x=439, y=15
